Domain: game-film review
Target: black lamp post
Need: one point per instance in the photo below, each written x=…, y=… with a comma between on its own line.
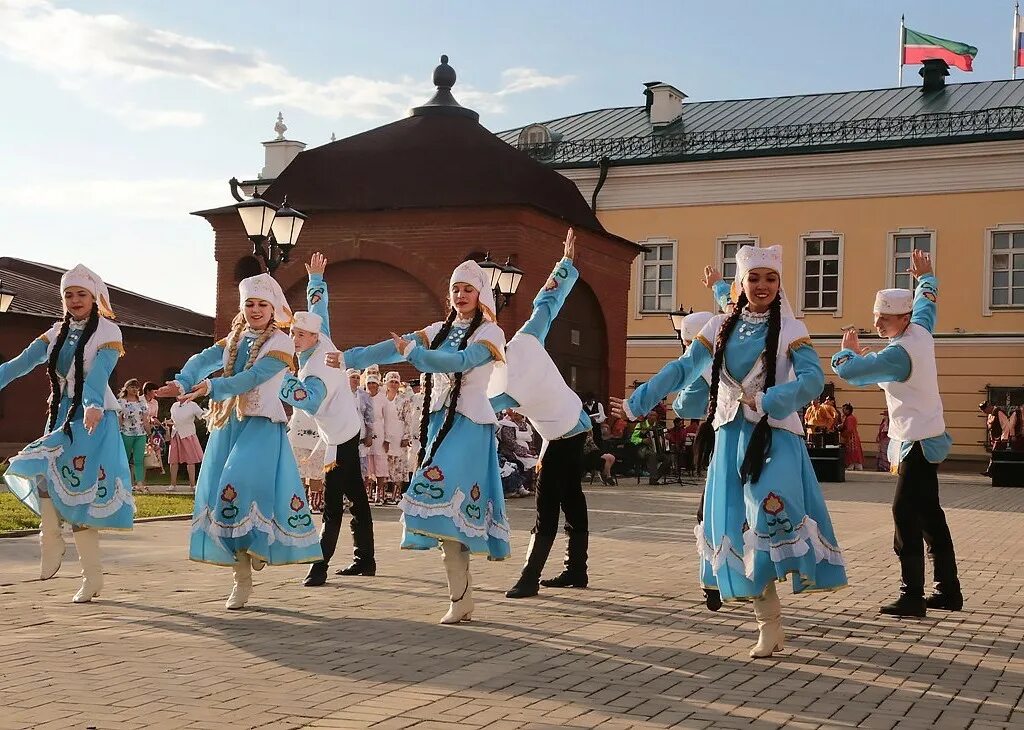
x=677, y=321
x=272, y=230
x=6, y=297
x=504, y=280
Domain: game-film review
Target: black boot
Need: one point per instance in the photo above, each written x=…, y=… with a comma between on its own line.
x=536, y=555
x=713, y=599
x=911, y=601
x=575, y=573
x=363, y=562
x=947, y=595
x=317, y=574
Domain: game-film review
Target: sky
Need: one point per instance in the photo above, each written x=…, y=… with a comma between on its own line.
x=119, y=117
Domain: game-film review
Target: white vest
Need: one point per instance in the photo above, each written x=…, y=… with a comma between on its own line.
x=915, y=407
x=473, y=402
x=106, y=332
x=336, y=419
x=531, y=377
x=729, y=390
x=265, y=399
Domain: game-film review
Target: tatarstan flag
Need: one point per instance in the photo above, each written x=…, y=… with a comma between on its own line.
x=918, y=47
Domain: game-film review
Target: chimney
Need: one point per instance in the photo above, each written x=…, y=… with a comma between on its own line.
x=664, y=103
x=934, y=72
x=279, y=152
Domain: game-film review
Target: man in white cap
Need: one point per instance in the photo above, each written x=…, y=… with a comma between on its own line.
x=397, y=439
x=906, y=371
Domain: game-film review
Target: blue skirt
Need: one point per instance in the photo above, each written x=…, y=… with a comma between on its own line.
x=755, y=534
x=86, y=476
x=249, y=498
x=459, y=496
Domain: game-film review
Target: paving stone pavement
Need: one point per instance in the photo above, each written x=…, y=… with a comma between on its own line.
x=636, y=649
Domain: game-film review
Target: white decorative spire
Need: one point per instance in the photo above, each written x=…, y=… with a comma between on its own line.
x=280, y=127
x=333, y=138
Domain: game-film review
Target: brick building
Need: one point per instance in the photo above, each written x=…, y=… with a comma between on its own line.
x=158, y=338
x=396, y=208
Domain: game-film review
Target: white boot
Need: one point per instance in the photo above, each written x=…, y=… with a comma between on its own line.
x=88, y=543
x=243, y=582
x=768, y=612
x=460, y=589
x=51, y=542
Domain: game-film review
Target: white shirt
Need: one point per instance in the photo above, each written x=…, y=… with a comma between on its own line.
x=184, y=416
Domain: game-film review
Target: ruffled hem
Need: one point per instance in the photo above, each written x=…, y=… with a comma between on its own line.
x=717, y=557
x=805, y=537
x=204, y=521
x=452, y=511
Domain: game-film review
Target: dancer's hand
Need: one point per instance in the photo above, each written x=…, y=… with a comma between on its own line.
x=93, y=416
x=199, y=391
x=570, y=244
x=920, y=263
x=747, y=400
x=851, y=341
x=401, y=345
x=711, y=276
x=333, y=360
x=317, y=264
x=170, y=389
x=617, y=408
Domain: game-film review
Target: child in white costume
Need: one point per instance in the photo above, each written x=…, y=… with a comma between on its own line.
x=250, y=506
x=77, y=472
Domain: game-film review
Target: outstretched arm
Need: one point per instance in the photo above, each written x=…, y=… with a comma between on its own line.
x=550, y=299
x=890, y=365
x=436, y=361
x=305, y=394
x=383, y=353
x=316, y=291
x=675, y=375
x=200, y=366
x=31, y=357
x=262, y=370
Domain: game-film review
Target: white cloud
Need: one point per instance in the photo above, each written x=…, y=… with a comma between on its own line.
x=87, y=53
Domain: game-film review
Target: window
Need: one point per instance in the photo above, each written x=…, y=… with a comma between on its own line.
x=657, y=276
x=902, y=246
x=1005, y=397
x=822, y=267
x=1007, y=264
x=534, y=134
x=728, y=248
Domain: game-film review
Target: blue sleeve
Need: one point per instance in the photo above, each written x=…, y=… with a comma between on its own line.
x=199, y=367
x=924, y=302
x=720, y=292
x=383, y=353
x=99, y=375
x=317, y=301
x=503, y=401
x=435, y=361
x=305, y=394
x=890, y=365
x=692, y=402
x=262, y=370
x=674, y=376
x=548, y=303
x=31, y=357
x=785, y=398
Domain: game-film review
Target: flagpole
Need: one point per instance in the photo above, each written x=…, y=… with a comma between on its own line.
x=902, y=40
x=1016, y=37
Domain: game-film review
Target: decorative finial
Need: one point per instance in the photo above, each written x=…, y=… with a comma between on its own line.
x=333, y=138
x=444, y=75
x=443, y=103
x=280, y=127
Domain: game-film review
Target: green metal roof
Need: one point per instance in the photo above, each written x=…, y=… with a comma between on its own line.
x=899, y=117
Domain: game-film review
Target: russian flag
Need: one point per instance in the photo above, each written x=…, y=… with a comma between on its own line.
x=1019, y=28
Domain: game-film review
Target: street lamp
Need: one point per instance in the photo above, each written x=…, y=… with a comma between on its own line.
x=6, y=297
x=677, y=321
x=272, y=230
x=504, y=280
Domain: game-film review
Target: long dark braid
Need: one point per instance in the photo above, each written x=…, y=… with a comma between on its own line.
x=704, y=443
x=51, y=371
x=428, y=386
x=79, y=365
x=449, y=415
x=761, y=439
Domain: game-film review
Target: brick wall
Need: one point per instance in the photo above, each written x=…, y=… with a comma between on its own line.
x=389, y=270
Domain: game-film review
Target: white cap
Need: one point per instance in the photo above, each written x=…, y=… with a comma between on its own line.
x=92, y=283
x=266, y=288
x=693, y=324
x=894, y=301
x=308, y=322
x=756, y=257
x=352, y=372
x=372, y=378
x=469, y=272
x=392, y=377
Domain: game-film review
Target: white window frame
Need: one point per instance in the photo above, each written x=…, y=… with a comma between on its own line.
x=798, y=303
x=987, y=309
x=890, y=252
x=720, y=249
x=639, y=277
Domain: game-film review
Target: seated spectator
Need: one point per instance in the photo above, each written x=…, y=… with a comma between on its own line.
x=595, y=459
x=652, y=448
x=516, y=474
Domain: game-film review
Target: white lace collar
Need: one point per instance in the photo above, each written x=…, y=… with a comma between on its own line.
x=753, y=317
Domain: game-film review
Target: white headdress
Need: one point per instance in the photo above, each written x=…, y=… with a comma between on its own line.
x=469, y=272
x=372, y=378
x=693, y=324
x=352, y=372
x=894, y=301
x=308, y=321
x=755, y=257
x=91, y=282
x=392, y=377
x=266, y=288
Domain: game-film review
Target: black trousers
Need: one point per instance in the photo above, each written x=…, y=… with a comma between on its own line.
x=919, y=519
x=346, y=480
x=560, y=488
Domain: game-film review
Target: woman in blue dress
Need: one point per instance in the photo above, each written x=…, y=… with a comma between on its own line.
x=78, y=471
x=764, y=518
x=250, y=506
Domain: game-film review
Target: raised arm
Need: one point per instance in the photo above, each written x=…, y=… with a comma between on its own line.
x=786, y=398
x=675, y=375
x=925, y=296
x=30, y=358
x=305, y=394
x=550, y=299
x=200, y=366
x=317, y=299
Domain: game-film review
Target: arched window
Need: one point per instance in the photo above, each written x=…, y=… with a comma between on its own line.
x=534, y=134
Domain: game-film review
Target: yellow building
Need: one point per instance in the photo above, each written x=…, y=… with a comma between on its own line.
x=848, y=184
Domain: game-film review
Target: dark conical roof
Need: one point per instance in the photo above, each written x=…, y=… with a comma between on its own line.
x=426, y=161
